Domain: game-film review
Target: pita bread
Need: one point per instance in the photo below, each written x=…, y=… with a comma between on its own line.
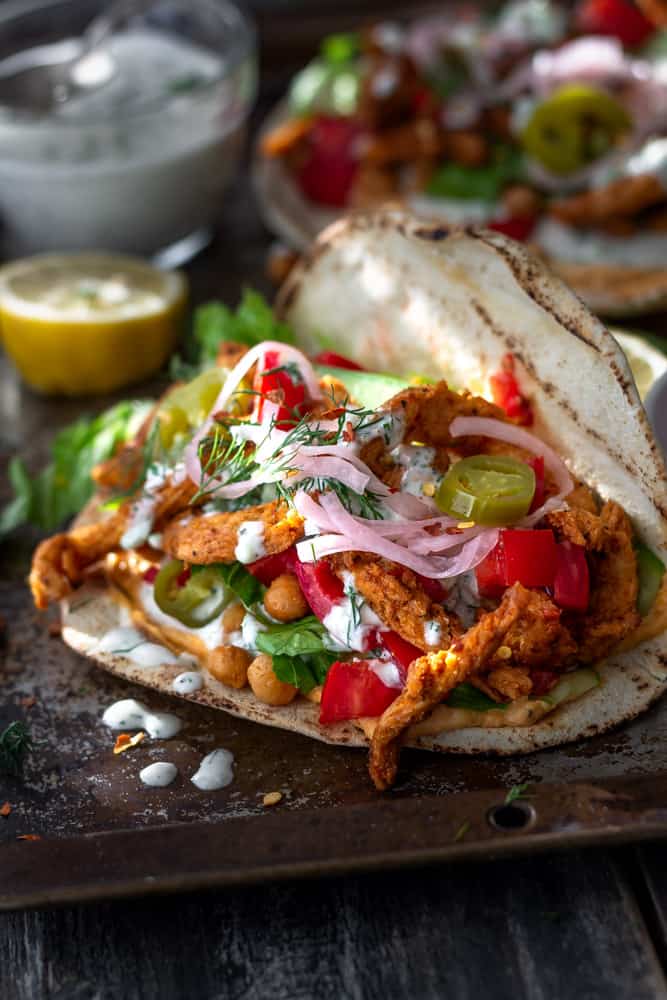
x=403, y=296
x=610, y=290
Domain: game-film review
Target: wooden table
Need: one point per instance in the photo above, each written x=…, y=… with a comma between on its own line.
x=587, y=925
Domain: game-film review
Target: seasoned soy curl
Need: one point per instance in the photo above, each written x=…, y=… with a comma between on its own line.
x=212, y=538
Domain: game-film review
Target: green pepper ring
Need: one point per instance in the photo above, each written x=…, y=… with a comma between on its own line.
x=487, y=489
x=184, y=602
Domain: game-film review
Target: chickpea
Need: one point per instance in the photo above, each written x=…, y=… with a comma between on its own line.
x=521, y=200
x=265, y=684
x=284, y=600
x=229, y=664
x=233, y=616
x=468, y=148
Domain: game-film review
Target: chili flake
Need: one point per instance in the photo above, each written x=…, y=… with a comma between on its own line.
x=126, y=742
x=5, y=809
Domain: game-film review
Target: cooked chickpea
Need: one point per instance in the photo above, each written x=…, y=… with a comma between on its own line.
x=521, y=200
x=284, y=600
x=229, y=664
x=265, y=684
x=233, y=616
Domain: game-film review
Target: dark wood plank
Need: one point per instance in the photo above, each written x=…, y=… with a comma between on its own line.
x=560, y=926
x=651, y=887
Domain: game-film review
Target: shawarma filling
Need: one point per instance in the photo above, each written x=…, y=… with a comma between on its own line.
x=427, y=565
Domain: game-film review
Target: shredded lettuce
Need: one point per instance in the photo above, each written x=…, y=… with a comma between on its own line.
x=64, y=486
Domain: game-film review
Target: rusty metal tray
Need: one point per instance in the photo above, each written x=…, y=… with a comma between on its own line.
x=103, y=834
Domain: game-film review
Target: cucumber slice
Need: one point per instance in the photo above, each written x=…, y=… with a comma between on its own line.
x=371, y=389
x=572, y=686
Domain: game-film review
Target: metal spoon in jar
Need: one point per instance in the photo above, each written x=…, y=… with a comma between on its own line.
x=40, y=86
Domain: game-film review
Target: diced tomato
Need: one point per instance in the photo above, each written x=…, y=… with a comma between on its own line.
x=352, y=690
x=277, y=385
x=268, y=568
x=571, y=586
x=490, y=574
x=537, y=465
x=618, y=18
x=434, y=588
x=543, y=681
x=507, y=395
x=402, y=651
x=522, y=555
x=151, y=573
x=320, y=586
x=337, y=361
x=332, y=161
x=518, y=228
x=183, y=576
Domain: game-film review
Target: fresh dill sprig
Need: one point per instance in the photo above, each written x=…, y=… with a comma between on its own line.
x=219, y=453
x=366, y=504
x=15, y=744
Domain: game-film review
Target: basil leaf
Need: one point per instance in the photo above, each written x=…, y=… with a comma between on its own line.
x=304, y=672
x=469, y=697
x=293, y=638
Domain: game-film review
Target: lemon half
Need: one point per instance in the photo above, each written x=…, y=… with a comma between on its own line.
x=78, y=324
x=646, y=362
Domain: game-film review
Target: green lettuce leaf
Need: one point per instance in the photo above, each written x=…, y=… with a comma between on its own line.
x=471, y=698
x=64, y=486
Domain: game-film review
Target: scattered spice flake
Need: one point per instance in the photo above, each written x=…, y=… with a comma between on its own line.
x=462, y=831
x=272, y=798
x=28, y=702
x=29, y=836
x=5, y=809
x=465, y=524
x=55, y=630
x=126, y=742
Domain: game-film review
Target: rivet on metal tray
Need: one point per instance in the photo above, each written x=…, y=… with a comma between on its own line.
x=512, y=816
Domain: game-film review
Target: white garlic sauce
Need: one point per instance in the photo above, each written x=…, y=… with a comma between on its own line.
x=158, y=775
x=385, y=424
x=187, y=682
x=432, y=632
x=142, y=511
x=417, y=460
x=131, y=714
x=250, y=542
x=463, y=597
x=351, y=619
x=250, y=629
x=215, y=771
x=134, y=646
x=387, y=671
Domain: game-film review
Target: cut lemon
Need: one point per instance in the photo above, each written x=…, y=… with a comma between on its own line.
x=87, y=323
x=646, y=362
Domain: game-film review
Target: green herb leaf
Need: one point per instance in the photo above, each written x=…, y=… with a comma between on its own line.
x=293, y=638
x=303, y=672
x=469, y=697
x=15, y=744
x=516, y=792
x=340, y=48
x=236, y=578
x=64, y=486
x=452, y=180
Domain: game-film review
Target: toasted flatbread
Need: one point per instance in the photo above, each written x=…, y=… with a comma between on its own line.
x=402, y=296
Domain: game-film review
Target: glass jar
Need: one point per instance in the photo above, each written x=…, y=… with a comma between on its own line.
x=140, y=162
